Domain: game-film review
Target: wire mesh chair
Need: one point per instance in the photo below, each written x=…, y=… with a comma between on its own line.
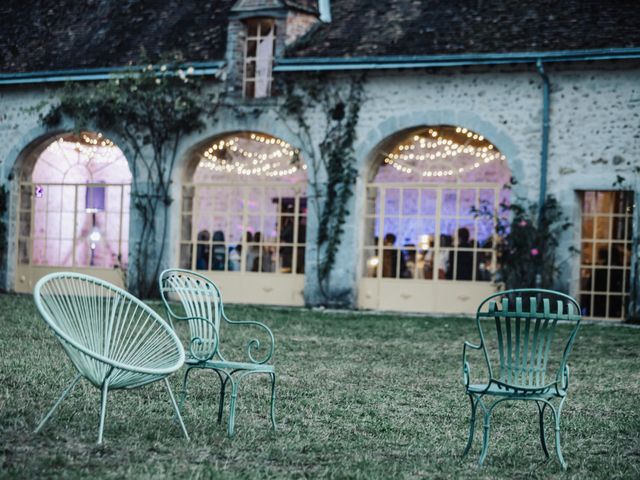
x=201, y=301
x=113, y=339
x=525, y=356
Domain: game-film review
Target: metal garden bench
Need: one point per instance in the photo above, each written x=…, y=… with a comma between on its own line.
x=113, y=339
x=525, y=355
x=202, y=309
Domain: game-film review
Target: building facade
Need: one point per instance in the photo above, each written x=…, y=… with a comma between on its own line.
x=454, y=103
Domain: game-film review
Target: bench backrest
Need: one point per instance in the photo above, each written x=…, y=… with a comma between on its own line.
x=523, y=346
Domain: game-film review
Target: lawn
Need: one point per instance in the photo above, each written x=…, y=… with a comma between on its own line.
x=359, y=396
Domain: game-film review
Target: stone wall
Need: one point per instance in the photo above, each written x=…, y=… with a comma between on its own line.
x=594, y=136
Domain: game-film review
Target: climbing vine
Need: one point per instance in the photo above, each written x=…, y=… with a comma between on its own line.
x=4, y=196
x=332, y=110
x=633, y=184
x=150, y=109
x=528, y=237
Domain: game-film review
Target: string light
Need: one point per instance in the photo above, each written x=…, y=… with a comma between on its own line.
x=263, y=156
x=435, y=147
x=92, y=147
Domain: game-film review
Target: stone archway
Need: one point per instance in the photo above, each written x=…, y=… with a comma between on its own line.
x=73, y=209
x=423, y=247
x=243, y=217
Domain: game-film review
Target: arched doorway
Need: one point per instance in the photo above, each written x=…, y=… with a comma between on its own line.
x=424, y=249
x=244, y=218
x=74, y=210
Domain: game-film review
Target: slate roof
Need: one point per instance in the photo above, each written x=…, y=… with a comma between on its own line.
x=40, y=35
x=426, y=27
x=37, y=35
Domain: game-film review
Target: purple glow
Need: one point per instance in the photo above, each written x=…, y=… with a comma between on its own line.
x=67, y=211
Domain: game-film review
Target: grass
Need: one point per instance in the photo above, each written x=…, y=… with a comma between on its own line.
x=359, y=396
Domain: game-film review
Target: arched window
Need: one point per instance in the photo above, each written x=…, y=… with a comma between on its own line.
x=420, y=224
x=74, y=206
x=244, y=212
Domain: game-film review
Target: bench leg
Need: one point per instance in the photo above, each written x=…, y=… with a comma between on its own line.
x=556, y=415
x=57, y=404
x=472, y=425
x=543, y=440
x=103, y=409
x=485, y=437
x=273, y=400
x=175, y=407
x=232, y=408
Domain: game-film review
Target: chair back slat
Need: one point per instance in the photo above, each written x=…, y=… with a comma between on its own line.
x=523, y=342
x=198, y=297
x=103, y=328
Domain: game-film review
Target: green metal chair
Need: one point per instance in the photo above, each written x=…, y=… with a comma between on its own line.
x=113, y=339
x=201, y=302
x=525, y=356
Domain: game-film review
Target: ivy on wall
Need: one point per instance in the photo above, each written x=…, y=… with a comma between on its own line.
x=632, y=184
x=325, y=116
x=527, y=240
x=150, y=109
x=4, y=198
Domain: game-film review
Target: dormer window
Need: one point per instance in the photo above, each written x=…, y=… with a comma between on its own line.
x=258, y=58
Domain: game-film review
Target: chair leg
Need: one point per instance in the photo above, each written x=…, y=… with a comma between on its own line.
x=556, y=415
x=223, y=386
x=543, y=440
x=273, y=400
x=103, y=409
x=232, y=407
x=185, y=379
x=57, y=404
x=472, y=425
x=485, y=438
x=175, y=407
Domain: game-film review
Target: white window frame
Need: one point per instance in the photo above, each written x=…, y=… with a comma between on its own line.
x=263, y=64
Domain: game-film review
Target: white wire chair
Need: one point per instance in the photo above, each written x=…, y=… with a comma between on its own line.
x=201, y=302
x=113, y=339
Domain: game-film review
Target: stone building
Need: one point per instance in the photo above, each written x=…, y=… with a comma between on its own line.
x=456, y=99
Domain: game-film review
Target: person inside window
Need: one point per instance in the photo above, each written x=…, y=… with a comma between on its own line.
x=464, y=259
x=390, y=258
x=202, y=250
x=218, y=252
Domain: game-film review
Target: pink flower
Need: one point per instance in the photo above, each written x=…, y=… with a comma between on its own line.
x=534, y=252
x=523, y=223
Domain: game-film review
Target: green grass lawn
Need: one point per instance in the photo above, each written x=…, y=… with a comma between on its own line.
x=359, y=396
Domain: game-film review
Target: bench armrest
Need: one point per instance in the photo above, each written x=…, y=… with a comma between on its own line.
x=254, y=345
x=197, y=341
x=466, y=368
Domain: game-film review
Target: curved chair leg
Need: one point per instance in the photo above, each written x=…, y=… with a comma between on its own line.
x=472, y=425
x=556, y=415
x=223, y=386
x=232, y=407
x=57, y=404
x=185, y=380
x=273, y=400
x=543, y=440
x=485, y=437
x=103, y=409
x=175, y=407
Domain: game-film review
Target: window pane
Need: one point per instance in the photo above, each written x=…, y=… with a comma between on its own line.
x=252, y=48
x=249, y=90
x=250, y=69
x=185, y=256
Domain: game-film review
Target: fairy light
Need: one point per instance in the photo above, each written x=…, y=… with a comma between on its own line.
x=255, y=155
x=432, y=145
x=92, y=147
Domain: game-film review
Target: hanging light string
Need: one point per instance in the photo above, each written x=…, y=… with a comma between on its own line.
x=425, y=149
x=269, y=157
x=92, y=148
